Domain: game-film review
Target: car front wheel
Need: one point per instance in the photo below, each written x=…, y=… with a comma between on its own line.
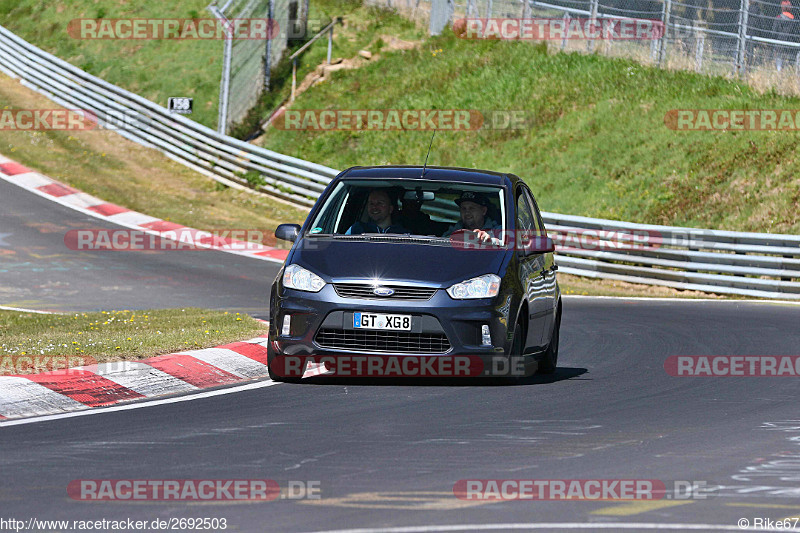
x=275, y=376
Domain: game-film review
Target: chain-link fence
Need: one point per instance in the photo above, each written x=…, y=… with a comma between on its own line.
x=247, y=62
x=759, y=39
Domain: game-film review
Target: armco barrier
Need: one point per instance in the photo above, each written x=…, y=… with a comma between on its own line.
x=751, y=264
x=222, y=157
x=728, y=262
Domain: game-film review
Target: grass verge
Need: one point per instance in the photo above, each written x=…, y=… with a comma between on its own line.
x=155, y=69
x=122, y=335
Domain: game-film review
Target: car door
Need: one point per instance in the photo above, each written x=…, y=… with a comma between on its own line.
x=531, y=269
x=549, y=295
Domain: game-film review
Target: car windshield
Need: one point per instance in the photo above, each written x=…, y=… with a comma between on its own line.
x=406, y=208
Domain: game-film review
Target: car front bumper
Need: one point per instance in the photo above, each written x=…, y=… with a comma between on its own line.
x=440, y=326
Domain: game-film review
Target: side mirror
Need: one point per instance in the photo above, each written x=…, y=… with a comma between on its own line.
x=537, y=245
x=543, y=245
x=287, y=232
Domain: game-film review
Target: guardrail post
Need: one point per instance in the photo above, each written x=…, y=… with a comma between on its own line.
x=665, y=14
x=225, y=79
x=742, y=39
x=593, y=22
x=489, y=9
x=225, y=85
x=268, y=54
x=526, y=9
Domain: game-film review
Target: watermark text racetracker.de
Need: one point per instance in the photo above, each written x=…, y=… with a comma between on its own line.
x=179, y=239
x=183, y=490
x=55, y=365
x=172, y=29
x=577, y=489
x=260, y=29
x=733, y=365
x=733, y=119
x=47, y=119
x=564, y=239
x=617, y=29
x=71, y=120
x=401, y=119
x=398, y=366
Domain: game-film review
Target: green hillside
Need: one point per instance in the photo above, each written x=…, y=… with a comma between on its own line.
x=595, y=144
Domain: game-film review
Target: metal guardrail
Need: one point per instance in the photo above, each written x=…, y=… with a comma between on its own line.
x=221, y=157
x=751, y=264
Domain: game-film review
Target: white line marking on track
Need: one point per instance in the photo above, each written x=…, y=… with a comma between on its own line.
x=545, y=526
x=142, y=404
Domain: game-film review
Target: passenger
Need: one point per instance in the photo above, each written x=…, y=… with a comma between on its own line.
x=379, y=209
x=474, y=206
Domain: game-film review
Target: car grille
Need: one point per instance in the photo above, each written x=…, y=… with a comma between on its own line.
x=383, y=341
x=360, y=290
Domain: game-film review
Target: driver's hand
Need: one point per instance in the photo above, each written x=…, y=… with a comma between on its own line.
x=483, y=236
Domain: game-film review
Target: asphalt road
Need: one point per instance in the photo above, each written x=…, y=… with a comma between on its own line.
x=387, y=454
x=390, y=454
x=38, y=271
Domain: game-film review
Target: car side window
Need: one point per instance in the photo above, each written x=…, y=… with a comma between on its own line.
x=538, y=225
x=525, y=220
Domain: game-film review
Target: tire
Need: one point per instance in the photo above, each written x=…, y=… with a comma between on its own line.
x=515, y=355
x=272, y=375
x=549, y=362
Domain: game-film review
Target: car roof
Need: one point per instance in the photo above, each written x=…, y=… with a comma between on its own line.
x=454, y=174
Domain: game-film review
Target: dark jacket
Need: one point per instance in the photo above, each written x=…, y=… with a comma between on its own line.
x=488, y=225
x=370, y=227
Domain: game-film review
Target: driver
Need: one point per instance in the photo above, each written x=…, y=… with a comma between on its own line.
x=379, y=209
x=474, y=206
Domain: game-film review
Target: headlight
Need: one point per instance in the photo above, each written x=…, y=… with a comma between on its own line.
x=481, y=287
x=298, y=278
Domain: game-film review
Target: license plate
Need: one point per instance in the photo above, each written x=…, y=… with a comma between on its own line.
x=381, y=321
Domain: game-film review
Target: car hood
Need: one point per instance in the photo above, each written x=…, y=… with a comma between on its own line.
x=437, y=265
